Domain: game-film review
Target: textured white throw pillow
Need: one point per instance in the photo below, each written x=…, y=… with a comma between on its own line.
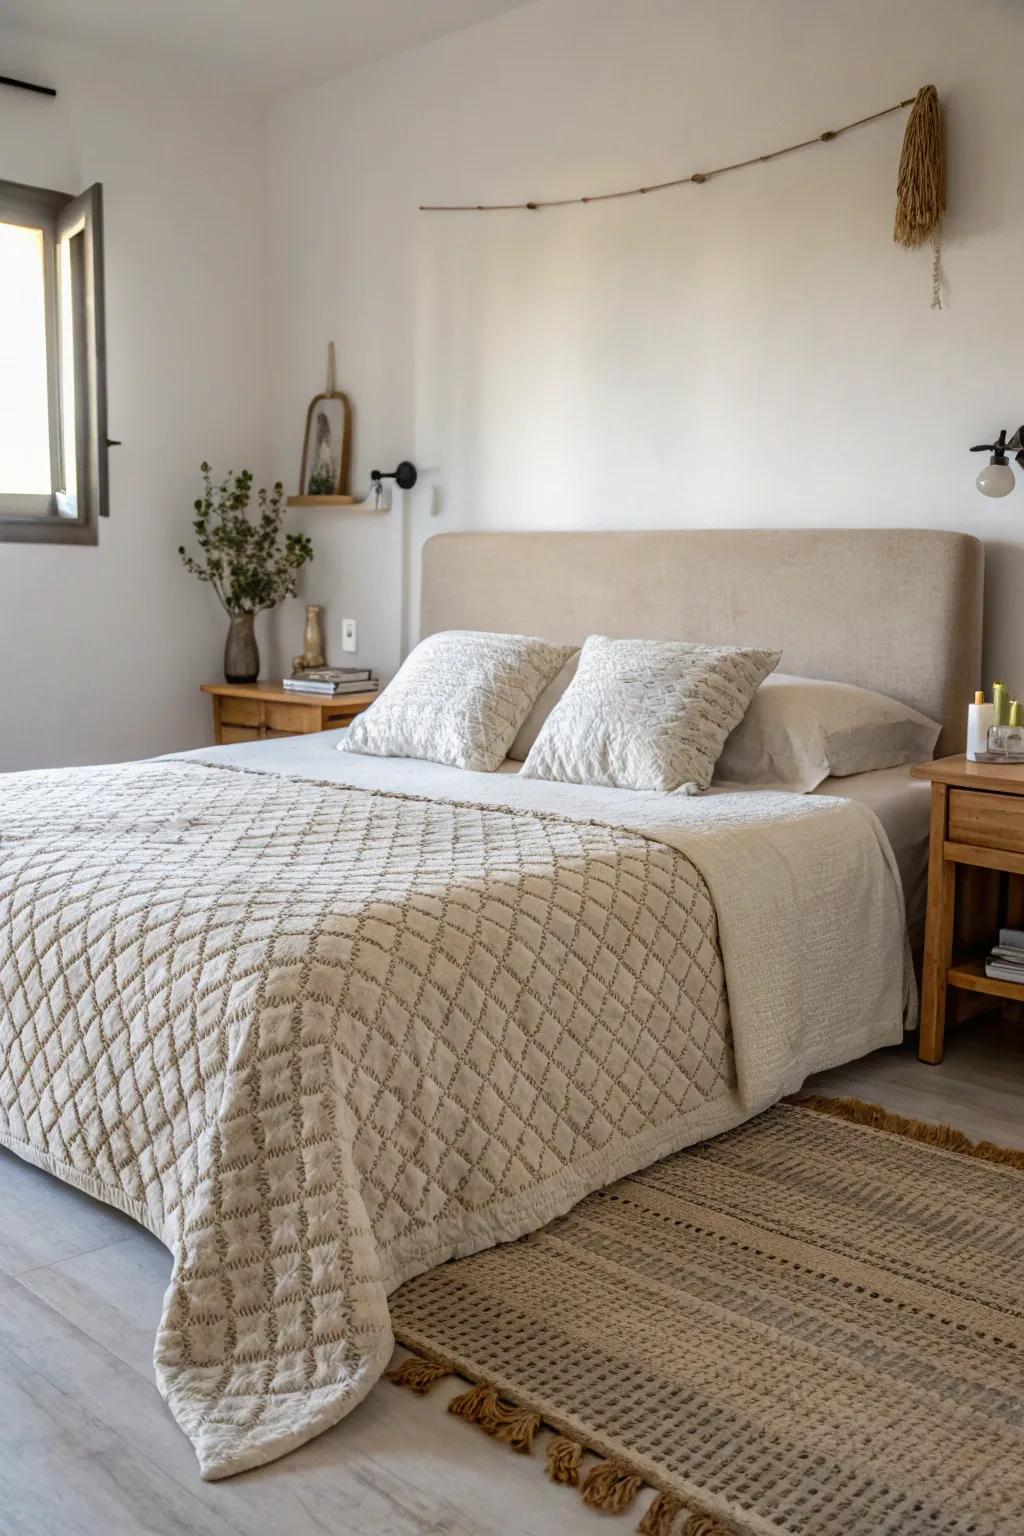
x=459, y=698
x=647, y=714
x=799, y=731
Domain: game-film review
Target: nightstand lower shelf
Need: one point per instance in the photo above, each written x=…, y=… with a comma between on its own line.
x=970, y=977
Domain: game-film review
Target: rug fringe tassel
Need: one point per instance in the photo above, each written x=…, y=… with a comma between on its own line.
x=419, y=1375
x=475, y=1404
x=482, y=1406
x=610, y=1486
x=945, y=1136
x=565, y=1457
x=516, y=1426
x=662, y=1516
x=667, y=1516
x=703, y=1525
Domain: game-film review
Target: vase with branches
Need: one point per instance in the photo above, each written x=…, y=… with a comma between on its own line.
x=244, y=560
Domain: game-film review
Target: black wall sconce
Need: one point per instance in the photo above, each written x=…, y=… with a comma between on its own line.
x=997, y=479
x=404, y=477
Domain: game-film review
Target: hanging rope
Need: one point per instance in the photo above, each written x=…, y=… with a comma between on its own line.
x=699, y=177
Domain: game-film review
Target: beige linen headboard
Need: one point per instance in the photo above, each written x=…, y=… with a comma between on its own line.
x=897, y=610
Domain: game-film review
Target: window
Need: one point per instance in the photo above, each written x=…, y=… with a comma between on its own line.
x=53, y=409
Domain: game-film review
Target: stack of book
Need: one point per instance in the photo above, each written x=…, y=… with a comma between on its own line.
x=332, y=681
x=1006, y=960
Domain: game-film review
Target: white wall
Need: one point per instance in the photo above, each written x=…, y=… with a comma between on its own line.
x=104, y=648
x=751, y=352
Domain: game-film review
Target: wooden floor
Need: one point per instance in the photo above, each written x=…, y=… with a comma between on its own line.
x=87, y=1447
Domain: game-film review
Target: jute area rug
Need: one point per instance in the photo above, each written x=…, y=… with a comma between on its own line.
x=812, y=1325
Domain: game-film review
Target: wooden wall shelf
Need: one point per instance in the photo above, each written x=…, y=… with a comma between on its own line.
x=338, y=501
x=321, y=501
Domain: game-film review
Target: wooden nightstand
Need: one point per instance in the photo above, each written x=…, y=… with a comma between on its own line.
x=975, y=883
x=256, y=711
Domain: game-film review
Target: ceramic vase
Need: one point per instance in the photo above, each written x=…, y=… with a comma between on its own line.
x=241, y=653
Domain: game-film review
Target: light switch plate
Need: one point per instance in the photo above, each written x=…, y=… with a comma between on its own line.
x=348, y=635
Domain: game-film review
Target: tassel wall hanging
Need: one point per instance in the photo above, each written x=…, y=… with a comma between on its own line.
x=921, y=186
x=920, y=190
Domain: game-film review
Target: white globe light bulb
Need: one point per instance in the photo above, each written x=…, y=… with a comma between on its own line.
x=995, y=480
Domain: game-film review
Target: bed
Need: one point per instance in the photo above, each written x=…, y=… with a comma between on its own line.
x=322, y=1021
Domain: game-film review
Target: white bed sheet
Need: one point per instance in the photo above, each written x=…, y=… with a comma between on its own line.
x=903, y=806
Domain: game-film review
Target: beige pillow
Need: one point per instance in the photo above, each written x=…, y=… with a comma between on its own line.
x=647, y=714
x=459, y=698
x=528, y=732
x=799, y=731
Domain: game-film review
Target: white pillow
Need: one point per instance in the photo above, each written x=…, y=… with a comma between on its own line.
x=647, y=714
x=530, y=729
x=799, y=731
x=459, y=698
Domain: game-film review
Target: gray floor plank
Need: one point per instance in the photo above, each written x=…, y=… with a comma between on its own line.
x=112, y=1294
x=65, y=1472
x=40, y=1225
x=979, y=1087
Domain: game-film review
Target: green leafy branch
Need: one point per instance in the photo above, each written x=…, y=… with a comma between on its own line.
x=242, y=559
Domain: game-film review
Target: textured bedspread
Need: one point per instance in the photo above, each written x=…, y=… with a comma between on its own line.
x=319, y=1039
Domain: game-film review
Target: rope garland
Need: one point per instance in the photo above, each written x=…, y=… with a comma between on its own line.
x=697, y=178
x=920, y=188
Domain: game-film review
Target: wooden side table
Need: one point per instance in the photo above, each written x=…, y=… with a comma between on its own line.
x=256, y=711
x=975, y=884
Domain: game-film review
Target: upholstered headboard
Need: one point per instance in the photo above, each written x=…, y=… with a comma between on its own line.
x=895, y=610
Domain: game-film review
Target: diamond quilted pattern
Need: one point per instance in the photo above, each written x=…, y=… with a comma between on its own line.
x=318, y=1038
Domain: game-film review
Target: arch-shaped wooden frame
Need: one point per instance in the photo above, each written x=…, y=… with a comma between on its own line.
x=341, y=489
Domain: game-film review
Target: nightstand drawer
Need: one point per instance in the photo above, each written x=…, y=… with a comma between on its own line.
x=241, y=711
x=986, y=820
x=282, y=719
x=291, y=719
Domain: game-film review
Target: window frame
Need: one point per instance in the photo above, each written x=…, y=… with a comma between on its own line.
x=36, y=519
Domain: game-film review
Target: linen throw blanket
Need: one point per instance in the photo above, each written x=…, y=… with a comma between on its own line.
x=318, y=1039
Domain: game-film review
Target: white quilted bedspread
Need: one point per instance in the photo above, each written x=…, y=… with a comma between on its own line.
x=319, y=1039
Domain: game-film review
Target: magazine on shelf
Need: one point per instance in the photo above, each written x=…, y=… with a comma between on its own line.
x=331, y=675
x=330, y=690
x=1002, y=970
x=1009, y=954
x=1005, y=960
